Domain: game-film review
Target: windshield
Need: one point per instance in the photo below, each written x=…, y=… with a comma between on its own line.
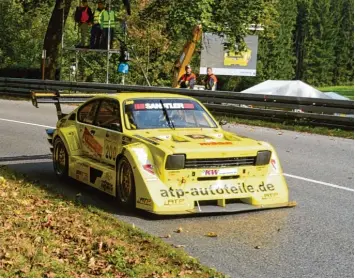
x=149, y=114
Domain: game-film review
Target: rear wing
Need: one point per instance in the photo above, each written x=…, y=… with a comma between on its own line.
x=57, y=98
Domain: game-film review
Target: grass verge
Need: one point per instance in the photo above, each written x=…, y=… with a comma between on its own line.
x=291, y=126
x=346, y=91
x=44, y=235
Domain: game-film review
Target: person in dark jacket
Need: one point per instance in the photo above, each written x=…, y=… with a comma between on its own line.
x=187, y=80
x=96, y=31
x=84, y=18
x=210, y=80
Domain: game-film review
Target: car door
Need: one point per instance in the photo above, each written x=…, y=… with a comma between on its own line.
x=109, y=120
x=90, y=135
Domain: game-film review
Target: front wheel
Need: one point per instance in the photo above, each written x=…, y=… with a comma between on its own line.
x=60, y=159
x=125, y=186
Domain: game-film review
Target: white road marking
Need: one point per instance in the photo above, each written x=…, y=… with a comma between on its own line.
x=285, y=174
x=319, y=182
x=26, y=123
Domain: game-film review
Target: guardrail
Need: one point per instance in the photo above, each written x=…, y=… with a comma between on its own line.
x=320, y=112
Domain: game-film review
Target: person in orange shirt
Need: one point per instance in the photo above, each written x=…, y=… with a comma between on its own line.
x=187, y=80
x=210, y=80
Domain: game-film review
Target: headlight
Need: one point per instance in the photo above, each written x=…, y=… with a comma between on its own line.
x=175, y=162
x=263, y=158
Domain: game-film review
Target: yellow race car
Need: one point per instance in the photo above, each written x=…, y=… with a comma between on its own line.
x=163, y=153
x=241, y=59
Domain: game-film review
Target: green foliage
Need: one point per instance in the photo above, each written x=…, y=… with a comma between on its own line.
x=22, y=34
x=320, y=44
x=311, y=40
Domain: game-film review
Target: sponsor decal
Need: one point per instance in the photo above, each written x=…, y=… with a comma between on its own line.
x=199, y=136
x=81, y=176
x=106, y=186
x=269, y=196
x=273, y=163
x=165, y=137
x=110, y=150
x=240, y=188
x=91, y=142
x=149, y=168
x=147, y=106
x=174, y=202
x=219, y=172
x=217, y=143
x=210, y=173
x=144, y=201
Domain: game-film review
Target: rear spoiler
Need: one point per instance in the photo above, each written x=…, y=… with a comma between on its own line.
x=57, y=98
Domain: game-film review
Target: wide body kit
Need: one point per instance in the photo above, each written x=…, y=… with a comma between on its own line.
x=177, y=171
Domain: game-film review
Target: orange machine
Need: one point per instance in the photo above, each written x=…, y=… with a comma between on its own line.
x=185, y=58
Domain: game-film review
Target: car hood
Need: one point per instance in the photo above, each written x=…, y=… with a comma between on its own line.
x=203, y=143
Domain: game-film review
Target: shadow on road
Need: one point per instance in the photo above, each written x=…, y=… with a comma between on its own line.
x=43, y=176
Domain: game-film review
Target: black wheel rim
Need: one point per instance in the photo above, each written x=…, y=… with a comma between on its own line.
x=125, y=179
x=60, y=159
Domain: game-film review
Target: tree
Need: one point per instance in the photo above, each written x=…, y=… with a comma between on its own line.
x=276, y=43
x=319, y=57
x=53, y=37
x=343, y=71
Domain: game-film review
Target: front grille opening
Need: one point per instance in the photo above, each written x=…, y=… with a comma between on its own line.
x=207, y=178
x=230, y=177
x=202, y=203
x=215, y=202
x=229, y=201
x=219, y=162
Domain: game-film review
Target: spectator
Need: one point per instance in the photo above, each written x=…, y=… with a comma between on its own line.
x=84, y=17
x=210, y=80
x=96, y=32
x=188, y=80
x=108, y=23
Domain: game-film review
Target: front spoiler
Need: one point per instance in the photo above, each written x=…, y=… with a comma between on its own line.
x=229, y=208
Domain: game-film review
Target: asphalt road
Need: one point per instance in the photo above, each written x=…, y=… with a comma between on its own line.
x=314, y=239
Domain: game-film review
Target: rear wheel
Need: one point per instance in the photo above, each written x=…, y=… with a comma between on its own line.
x=125, y=186
x=60, y=159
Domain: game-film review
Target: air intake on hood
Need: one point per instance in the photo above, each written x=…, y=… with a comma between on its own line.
x=219, y=162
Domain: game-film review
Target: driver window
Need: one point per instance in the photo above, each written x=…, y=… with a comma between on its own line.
x=87, y=112
x=109, y=115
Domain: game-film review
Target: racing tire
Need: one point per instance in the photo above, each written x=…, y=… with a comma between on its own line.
x=125, y=185
x=60, y=159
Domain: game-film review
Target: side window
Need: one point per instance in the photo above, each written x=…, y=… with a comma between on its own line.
x=109, y=115
x=86, y=114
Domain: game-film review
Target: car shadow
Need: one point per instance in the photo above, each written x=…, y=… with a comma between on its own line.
x=42, y=175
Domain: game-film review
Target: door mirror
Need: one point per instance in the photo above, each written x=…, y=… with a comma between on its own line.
x=116, y=127
x=223, y=122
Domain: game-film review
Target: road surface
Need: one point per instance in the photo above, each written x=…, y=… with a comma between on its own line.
x=314, y=239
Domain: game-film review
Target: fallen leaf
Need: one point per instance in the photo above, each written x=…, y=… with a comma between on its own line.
x=179, y=230
x=179, y=246
x=49, y=274
x=211, y=234
x=2, y=180
x=166, y=236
